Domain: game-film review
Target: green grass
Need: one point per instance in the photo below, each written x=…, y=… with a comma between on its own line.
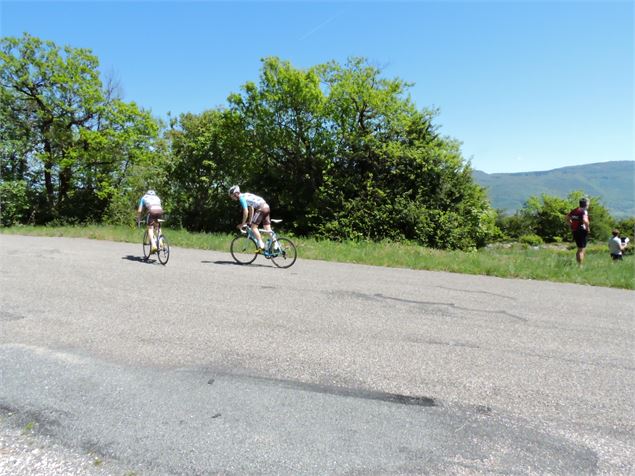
x=513, y=261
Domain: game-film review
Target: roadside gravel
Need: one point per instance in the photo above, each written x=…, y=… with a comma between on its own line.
x=24, y=452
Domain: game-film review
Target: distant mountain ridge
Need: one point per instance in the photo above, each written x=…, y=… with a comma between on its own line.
x=613, y=182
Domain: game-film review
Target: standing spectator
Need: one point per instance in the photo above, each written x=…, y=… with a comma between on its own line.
x=578, y=219
x=617, y=245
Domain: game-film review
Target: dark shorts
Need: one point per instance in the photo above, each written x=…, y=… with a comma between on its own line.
x=580, y=237
x=153, y=215
x=262, y=215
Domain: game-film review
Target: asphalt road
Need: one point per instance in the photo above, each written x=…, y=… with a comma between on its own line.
x=204, y=366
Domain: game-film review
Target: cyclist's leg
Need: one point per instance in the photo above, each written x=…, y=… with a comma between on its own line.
x=153, y=246
x=266, y=218
x=255, y=222
x=151, y=225
x=266, y=224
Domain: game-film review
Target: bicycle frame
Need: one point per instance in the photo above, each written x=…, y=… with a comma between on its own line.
x=270, y=249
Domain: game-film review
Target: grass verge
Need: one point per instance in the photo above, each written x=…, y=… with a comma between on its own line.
x=509, y=261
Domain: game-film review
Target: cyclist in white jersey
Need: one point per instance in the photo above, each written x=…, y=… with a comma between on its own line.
x=152, y=204
x=255, y=211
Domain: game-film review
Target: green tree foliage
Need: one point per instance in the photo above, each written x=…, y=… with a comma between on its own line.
x=339, y=151
x=287, y=139
x=511, y=226
x=342, y=152
x=626, y=227
x=14, y=202
x=208, y=152
x=394, y=176
x=65, y=133
x=545, y=215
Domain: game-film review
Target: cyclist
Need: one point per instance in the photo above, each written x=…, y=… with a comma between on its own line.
x=255, y=211
x=152, y=204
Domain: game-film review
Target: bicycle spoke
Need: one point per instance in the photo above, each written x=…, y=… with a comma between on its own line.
x=243, y=250
x=163, y=251
x=286, y=255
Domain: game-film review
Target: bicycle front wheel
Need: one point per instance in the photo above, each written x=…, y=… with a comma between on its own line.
x=163, y=251
x=243, y=250
x=285, y=255
x=146, y=246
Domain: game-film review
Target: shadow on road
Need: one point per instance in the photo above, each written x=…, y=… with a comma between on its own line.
x=140, y=259
x=233, y=263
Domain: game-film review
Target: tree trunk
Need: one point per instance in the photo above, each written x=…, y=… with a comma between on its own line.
x=65, y=176
x=48, y=174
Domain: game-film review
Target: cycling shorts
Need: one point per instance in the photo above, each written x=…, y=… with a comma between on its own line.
x=262, y=215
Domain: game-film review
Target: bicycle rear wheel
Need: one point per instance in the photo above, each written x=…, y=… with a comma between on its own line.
x=243, y=250
x=146, y=246
x=286, y=255
x=163, y=252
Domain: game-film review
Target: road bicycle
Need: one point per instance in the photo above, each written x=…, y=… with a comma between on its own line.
x=163, y=247
x=281, y=251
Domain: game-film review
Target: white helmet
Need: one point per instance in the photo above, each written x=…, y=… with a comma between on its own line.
x=234, y=189
x=151, y=192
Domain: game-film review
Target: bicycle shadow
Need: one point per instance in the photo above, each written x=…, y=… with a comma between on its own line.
x=233, y=263
x=140, y=259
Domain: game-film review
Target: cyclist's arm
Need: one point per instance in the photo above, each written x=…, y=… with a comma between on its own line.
x=140, y=209
x=247, y=214
x=245, y=217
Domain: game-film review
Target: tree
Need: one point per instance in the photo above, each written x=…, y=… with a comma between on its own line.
x=627, y=227
x=392, y=175
x=51, y=94
x=287, y=139
x=545, y=216
x=342, y=152
x=208, y=154
x=65, y=133
x=14, y=202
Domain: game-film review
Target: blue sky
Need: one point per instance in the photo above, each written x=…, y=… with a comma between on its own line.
x=524, y=85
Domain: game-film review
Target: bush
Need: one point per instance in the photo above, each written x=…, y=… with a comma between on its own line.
x=512, y=226
x=14, y=202
x=626, y=227
x=531, y=240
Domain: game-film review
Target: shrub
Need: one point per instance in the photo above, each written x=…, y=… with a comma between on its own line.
x=14, y=202
x=531, y=240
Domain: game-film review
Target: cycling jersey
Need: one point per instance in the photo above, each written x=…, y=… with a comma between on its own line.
x=251, y=200
x=150, y=202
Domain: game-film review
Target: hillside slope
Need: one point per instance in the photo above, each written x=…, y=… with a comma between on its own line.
x=613, y=182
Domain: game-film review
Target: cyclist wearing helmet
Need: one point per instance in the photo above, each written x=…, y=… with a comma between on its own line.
x=152, y=204
x=255, y=211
